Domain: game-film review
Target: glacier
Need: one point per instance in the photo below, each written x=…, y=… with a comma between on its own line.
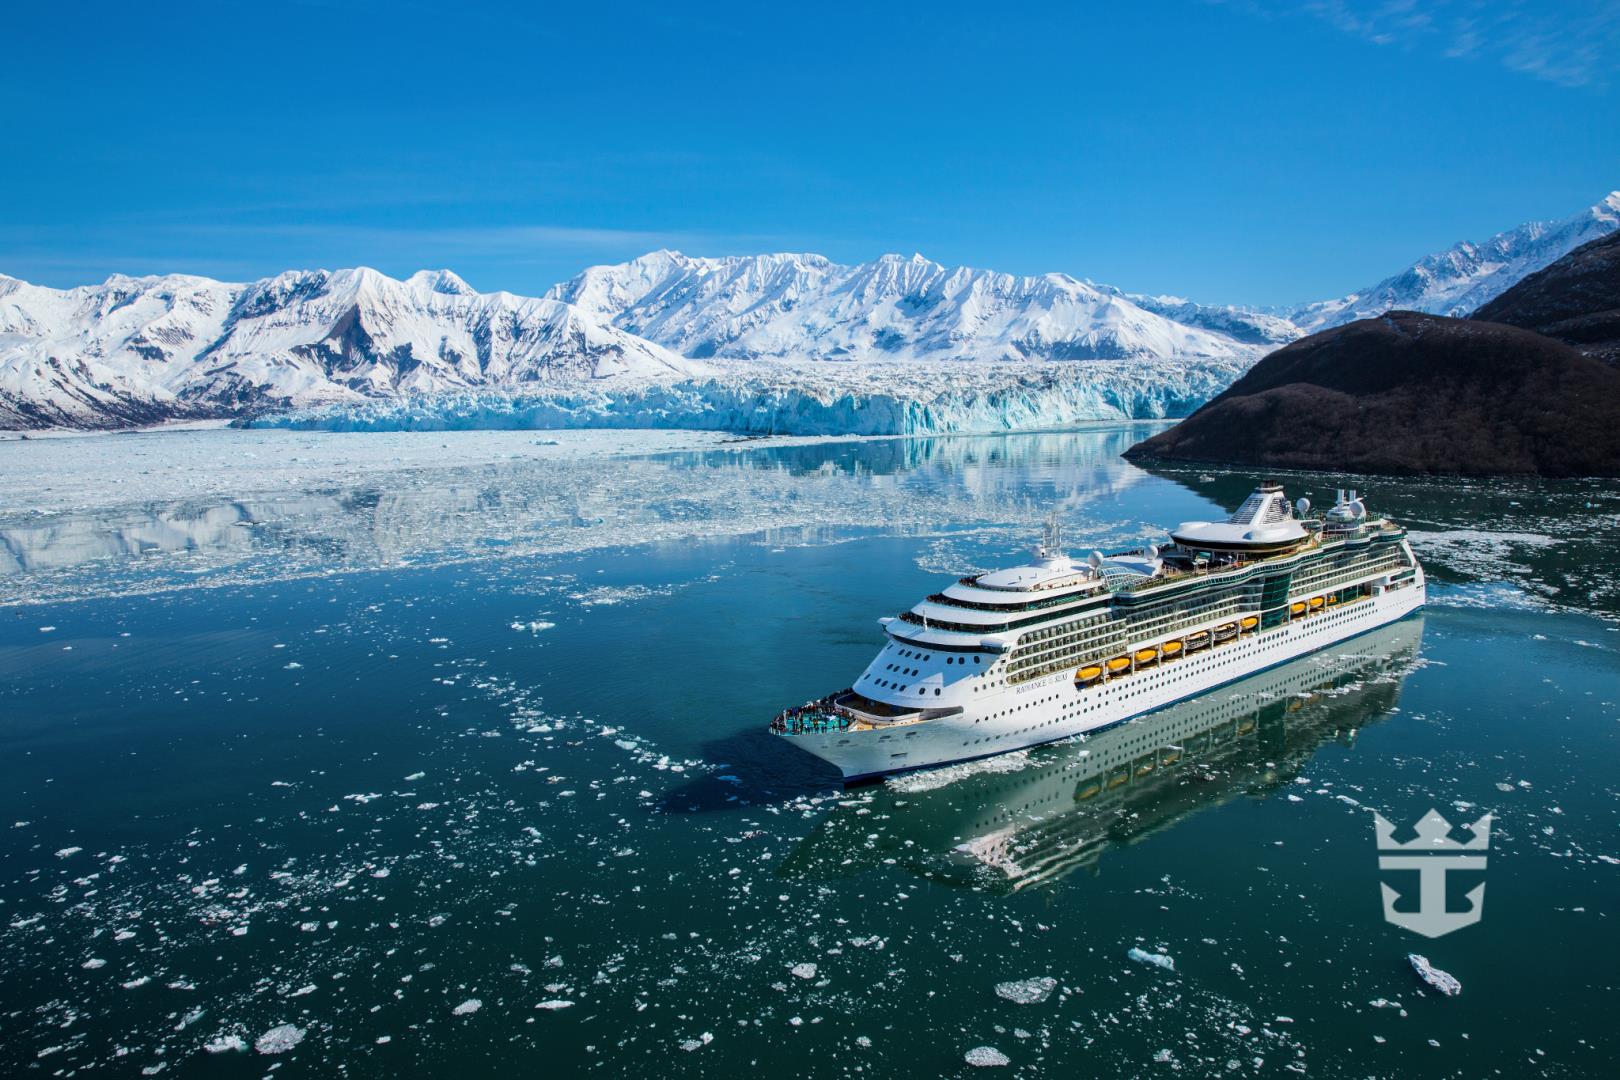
x=895, y=398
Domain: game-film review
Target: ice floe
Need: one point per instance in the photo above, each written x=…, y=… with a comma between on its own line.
x=986, y=1057
x=1027, y=991
x=1142, y=956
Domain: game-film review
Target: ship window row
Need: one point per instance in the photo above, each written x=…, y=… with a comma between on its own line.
x=1090, y=637
x=1014, y=606
x=975, y=628
x=1046, y=663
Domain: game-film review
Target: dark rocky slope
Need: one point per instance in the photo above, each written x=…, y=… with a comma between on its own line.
x=1413, y=393
x=1576, y=300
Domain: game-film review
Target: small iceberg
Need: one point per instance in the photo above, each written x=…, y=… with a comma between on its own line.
x=1142, y=956
x=984, y=1057
x=279, y=1039
x=1027, y=991
x=1445, y=983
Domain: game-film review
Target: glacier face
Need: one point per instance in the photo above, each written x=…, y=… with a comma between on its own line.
x=880, y=398
x=1466, y=276
x=796, y=306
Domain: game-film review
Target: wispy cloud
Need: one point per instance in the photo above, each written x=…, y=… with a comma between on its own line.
x=521, y=257
x=1575, y=43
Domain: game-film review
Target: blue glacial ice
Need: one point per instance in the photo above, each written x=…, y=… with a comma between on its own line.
x=811, y=399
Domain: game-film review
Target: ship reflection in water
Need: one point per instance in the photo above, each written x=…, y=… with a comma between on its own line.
x=1028, y=820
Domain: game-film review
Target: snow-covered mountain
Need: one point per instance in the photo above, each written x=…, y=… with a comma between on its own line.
x=792, y=307
x=670, y=340
x=1466, y=276
x=133, y=350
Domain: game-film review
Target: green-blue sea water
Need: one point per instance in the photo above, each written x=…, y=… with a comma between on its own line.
x=465, y=771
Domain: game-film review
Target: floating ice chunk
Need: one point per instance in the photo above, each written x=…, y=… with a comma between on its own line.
x=985, y=1057
x=1436, y=978
x=415, y=776
x=804, y=971
x=467, y=1008
x=1027, y=991
x=1163, y=1057
x=135, y=984
x=93, y=963
x=863, y=1041
x=698, y=1043
x=279, y=1039
x=46, y=629
x=294, y=666
x=555, y=1004
x=68, y=852
x=224, y=1044
x=1141, y=956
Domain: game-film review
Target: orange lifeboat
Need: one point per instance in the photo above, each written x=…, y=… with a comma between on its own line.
x=1316, y=603
x=1297, y=609
x=1171, y=648
x=1089, y=674
x=1118, y=663
x=1249, y=623
x=1146, y=656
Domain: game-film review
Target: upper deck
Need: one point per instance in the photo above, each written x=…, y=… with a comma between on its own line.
x=989, y=611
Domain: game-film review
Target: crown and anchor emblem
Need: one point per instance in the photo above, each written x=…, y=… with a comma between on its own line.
x=1433, y=854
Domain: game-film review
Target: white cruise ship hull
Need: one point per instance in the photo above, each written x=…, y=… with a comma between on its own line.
x=1055, y=707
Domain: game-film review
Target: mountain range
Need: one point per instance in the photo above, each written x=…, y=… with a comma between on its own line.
x=138, y=350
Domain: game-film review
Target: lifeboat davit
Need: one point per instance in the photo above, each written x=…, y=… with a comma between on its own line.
x=1332, y=600
x=1089, y=674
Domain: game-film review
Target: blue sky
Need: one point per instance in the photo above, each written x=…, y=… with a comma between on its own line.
x=1253, y=151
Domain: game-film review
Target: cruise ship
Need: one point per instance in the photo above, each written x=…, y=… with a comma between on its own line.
x=1065, y=807
x=1060, y=647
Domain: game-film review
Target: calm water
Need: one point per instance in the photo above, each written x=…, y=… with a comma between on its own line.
x=463, y=769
